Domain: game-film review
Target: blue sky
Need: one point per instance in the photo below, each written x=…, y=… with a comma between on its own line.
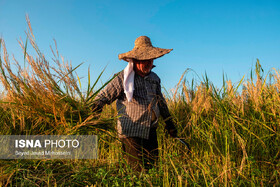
x=207, y=36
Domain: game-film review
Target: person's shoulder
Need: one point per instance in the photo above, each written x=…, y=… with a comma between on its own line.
x=154, y=76
x=119, y=74
x=117, y=78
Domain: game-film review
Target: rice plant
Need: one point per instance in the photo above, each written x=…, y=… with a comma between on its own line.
x=45, y=98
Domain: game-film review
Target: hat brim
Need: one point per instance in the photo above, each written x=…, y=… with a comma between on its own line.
x=144, y=53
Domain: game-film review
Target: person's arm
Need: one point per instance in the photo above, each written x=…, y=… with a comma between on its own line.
x=164, y=112
x=109, y=94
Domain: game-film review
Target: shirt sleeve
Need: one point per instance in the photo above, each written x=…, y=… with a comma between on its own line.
x=164, y=111
x=111, y=92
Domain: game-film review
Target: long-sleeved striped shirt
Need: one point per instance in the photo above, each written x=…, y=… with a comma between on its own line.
x=135, y=116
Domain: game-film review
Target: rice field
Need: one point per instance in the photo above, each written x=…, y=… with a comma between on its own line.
x=233, y=131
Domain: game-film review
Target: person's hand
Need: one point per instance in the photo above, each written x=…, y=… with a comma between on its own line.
x=173, y=133
x=96, y=108
x=171, y=129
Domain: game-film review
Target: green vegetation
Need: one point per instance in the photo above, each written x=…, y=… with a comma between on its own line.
x=233, y=131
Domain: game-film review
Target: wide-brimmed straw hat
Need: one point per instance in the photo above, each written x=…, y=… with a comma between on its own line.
x=144, y=50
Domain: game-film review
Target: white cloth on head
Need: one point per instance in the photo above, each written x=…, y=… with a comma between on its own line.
x=128, y=82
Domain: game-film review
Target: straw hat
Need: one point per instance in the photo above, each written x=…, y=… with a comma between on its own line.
x=144, y=50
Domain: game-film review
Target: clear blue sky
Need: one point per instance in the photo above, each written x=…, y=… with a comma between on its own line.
x=207, y=36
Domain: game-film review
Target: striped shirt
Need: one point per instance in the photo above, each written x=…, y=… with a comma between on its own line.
x=135, y=117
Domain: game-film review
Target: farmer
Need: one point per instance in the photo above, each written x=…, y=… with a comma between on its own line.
x=140, y=103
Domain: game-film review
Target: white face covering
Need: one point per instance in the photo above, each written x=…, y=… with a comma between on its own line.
x=128, y=82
